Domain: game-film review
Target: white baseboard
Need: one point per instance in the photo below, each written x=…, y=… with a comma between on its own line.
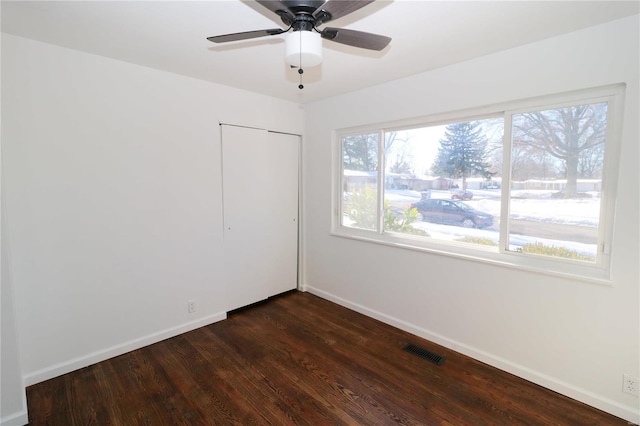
x=92, y=358
x=629, y=414
x=16, y=419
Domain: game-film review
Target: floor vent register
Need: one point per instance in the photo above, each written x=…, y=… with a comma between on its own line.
x=423, y=353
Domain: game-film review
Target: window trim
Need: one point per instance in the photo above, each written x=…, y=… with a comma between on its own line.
x=598, y=272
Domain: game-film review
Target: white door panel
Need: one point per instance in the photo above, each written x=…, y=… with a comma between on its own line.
x=260, y=191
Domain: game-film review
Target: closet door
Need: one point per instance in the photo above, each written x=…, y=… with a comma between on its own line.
x=260, y=201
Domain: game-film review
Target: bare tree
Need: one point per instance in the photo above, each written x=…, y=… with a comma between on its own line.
x=398, y=153
x=590, y=162
x=568, y=134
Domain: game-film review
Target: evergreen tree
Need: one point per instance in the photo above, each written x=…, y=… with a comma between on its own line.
x=360, y=152
x=462, y=153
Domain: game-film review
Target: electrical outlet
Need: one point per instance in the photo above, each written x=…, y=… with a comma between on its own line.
x=630, y=385
x=191, y=306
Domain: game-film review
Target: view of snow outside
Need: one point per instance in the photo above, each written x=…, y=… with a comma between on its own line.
x=532, y=206
x=418, y=164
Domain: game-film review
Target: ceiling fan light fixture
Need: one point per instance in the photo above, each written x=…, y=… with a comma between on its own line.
x=303, y=46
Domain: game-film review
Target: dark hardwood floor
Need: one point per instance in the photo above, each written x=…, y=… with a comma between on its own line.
x=298, y=360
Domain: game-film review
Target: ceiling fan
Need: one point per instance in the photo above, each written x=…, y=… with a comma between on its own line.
x=303, y=46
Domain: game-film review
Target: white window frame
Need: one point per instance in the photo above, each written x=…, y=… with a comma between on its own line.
x=598, y=271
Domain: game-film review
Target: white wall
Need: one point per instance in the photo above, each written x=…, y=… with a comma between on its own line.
x=13, y=404
x=113, y=197
x=575, y=337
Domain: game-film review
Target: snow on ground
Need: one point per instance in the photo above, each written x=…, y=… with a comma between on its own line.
x=535, y=206
x=452, y=233
x=543, y=208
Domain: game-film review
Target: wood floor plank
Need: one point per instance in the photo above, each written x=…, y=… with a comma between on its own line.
x=298, y=360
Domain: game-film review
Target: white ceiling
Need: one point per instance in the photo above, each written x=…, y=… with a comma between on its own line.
x=171, y=36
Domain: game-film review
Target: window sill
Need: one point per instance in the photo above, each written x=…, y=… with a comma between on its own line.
x=554, y=268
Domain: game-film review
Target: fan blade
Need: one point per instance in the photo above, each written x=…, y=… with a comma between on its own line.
x=279, y=8
x=334, y=9
x=356, y=38
x=245, y=35
x=272, y=5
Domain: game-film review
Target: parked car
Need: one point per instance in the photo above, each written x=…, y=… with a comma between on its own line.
x=491, y=185
x=452, y=213
x=461, y=195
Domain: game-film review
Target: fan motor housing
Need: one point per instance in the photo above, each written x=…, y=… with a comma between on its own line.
x=300, y=14
x=305, y=6
x=301, y=22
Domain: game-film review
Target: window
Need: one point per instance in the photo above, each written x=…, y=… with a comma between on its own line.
x=557, y=162
x=360, y=181
x=432, y=174
x=528, y=184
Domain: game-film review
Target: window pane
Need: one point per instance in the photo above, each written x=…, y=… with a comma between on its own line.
x=360, y=181
x=444, y=181
x=557, y=159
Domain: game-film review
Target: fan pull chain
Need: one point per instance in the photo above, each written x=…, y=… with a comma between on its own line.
x=300, y=70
